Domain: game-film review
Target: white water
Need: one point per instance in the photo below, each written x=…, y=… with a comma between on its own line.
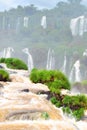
x=50, y=60
x=43, y=22
x=64, y=65
x=26, y=21
x=75, y=70
x=7, y=52
x=78, y=25
x=30, y=60
x=85, y=52
x=18, y=24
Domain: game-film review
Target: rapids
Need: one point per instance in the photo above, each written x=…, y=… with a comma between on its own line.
x=24, y=110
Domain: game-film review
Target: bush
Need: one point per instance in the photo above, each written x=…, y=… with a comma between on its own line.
x=66, y=110
x=56, y=80
x=78, y=114
x=52, y=78
x=45, y=115
x=75, y=102
x=73, y=105
x=14, y=63
x=55, y=102
x=4, y=75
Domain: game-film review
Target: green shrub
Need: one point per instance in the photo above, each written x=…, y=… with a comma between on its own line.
x=4, y=75
x=14, y=63
x=75, y=102
x=45, y=115
x=73, y=105
x=2, y=60
x=66, y=110
x=77, y=105
x=54, y=100
x=52, y=78
x=78, y=114
x=55, y=80
x=34, y=76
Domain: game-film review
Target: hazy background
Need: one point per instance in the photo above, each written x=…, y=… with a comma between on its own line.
x=39, y=3
x=56, y=36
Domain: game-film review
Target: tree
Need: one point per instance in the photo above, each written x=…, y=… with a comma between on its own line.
x=30, y=10
x=74, y=1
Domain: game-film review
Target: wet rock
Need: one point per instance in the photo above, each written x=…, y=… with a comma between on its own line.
x=1, y=85
x=34, y=115
x=25, y=90
x=48, y=93
x=1, y=67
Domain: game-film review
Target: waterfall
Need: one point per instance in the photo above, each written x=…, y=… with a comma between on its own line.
x=26, y=21
x=64, y=65
x=18, y=24
x=73, y=26
x=3, y=22
x=75, y=70
x=7, y=52
x=50, y=60
x=30, y=60
x=85, y=53
x=81, y=26
x=78, y=25
x=43, y=22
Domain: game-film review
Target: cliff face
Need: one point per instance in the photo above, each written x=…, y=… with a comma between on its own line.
x=23, y=107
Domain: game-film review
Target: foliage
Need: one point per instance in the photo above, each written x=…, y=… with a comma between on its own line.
x=75, y=102
x=45, y=115
x=58, y=21
x=14, y=63
x=54, y=79
x=75, y=1
x=73, y=105
x=66, y=110
x=4, y=75
x=55, y=101
x=78, y=114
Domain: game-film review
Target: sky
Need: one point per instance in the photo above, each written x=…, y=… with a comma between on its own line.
x=8, y=4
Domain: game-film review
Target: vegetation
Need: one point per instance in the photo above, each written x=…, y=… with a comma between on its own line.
x=72, y=105
x=58, y=22
x=14, y=63
x=45, y=115
x=14, y=33
x=4, y=75
x=54, y=79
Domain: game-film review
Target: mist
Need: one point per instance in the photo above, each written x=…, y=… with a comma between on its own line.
x=61, y=28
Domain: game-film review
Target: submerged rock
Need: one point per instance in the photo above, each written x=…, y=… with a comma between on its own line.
x=25, y=90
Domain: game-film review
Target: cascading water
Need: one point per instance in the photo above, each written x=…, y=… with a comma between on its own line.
x=81, y=26
x=18, y=24
x=30, y=60
x=78, y=25
x=85, y=53
x=50, y=60
x=64, y=65
x=73, y=26
x=75, y=70
x=43, y=22
x=7, y=52
x=26, y=21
